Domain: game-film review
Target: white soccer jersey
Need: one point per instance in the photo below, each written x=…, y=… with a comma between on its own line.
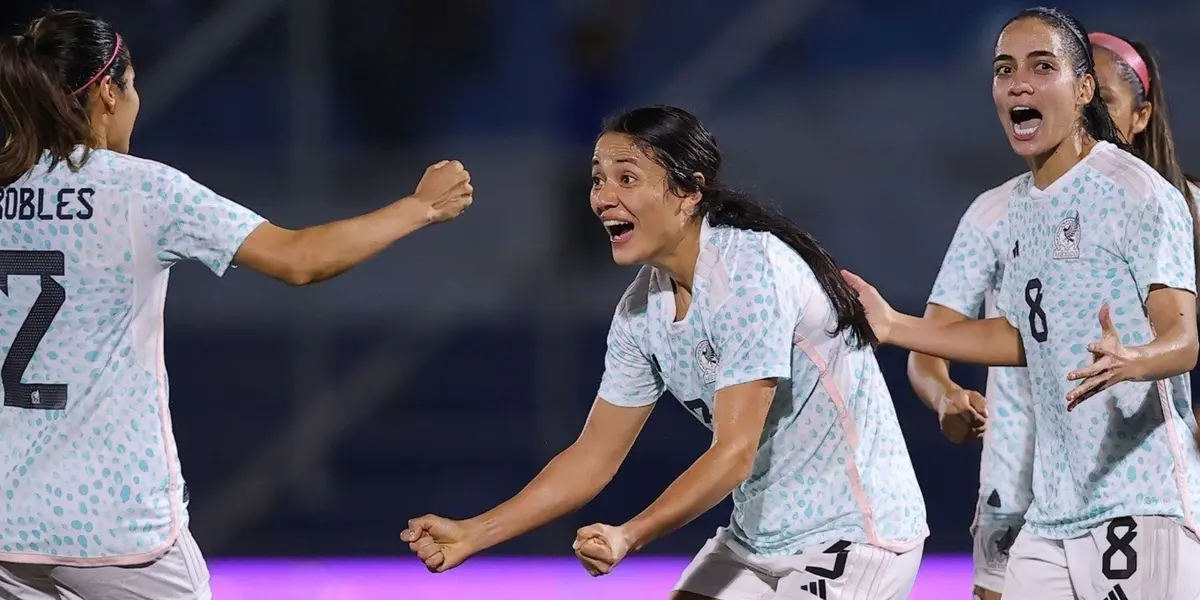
x=832, y=464
x=89, y=473
x=1104, y=232
x=967, y=283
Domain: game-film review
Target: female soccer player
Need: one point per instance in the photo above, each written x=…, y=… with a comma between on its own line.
x=1098, y=298
x=90, y=489
x=968, y=282
x=744, y=316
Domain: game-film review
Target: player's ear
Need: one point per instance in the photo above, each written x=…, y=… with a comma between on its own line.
x=691, y=201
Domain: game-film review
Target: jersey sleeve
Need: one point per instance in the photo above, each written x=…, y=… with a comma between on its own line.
x=968, y=271
x=631, y=375
x=1159, y=243
x=753, y=325
x=188, y=221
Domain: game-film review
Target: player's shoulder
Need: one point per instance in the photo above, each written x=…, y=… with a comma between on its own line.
x=149, y=174
x=636, y=298
x=1134, y=181
x=732, y=258
x=991, y=206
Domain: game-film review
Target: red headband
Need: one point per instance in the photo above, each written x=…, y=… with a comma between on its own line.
x=108, y=65
x=1126, y=52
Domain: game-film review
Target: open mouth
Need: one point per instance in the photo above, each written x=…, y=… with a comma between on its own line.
x=618, y=231
x=1026, y=121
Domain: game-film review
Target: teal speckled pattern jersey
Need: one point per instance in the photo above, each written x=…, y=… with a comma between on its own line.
x=967, y=284
x=832, y=463
x=1105, y=232
x=89, y=473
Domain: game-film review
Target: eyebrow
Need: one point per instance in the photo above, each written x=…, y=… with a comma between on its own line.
x=1034, y=54
x=623, y=160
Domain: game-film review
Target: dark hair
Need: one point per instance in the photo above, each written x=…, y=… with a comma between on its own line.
x=1155, y=144
x=1096, y=121
x=680, y=144
x=45, y=76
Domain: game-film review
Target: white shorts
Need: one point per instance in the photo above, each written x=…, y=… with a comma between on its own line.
x=990, y=554
x=1127, y=558
x=726, y=570
x=180, y=574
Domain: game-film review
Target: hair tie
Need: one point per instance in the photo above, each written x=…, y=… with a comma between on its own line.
x=1126, y=52
x=108, y=65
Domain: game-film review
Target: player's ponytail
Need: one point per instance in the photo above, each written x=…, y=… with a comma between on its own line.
x=45, y=76
x=678, y=142
x=1139, y=72
x=730, y=208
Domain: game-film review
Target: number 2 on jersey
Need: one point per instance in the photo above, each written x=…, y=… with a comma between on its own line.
x=1037, y=315
x=44, y=264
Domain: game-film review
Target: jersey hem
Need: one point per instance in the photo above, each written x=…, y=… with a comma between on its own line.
x=626, y=404
x=898, y=545
x=119, y=560
x=1083, y=528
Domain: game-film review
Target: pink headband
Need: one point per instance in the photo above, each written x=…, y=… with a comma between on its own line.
x=1126, y=52
x=108, y=65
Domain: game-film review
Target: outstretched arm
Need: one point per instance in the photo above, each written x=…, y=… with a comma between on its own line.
x=991, y=342
x=318, y=253
x=185, y=220
x=739, y=414
x=571, y=479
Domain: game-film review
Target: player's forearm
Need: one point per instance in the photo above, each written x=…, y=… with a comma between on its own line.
x=569, y=481
x=990, y=342
x=701, y=487
x=930, y=378
x=1173, y=352
x=325, y=251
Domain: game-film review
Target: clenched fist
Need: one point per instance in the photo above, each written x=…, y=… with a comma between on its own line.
x=445, y=191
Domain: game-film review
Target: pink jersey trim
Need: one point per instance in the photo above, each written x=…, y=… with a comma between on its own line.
x=851, y=433
x=173, y=481
x=1181, y=483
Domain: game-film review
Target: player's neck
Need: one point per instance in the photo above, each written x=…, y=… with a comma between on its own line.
x=1048, y=167
x=679, y=261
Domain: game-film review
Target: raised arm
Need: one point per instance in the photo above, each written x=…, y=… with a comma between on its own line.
x=183, y=220
x=991, y=342
x=314, y=254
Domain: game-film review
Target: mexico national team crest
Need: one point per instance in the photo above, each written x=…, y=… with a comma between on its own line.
x=706, y=361
x=1066, y=238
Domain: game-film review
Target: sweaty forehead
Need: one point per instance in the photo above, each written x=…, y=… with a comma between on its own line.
x=1026, y=36
x=617, y=148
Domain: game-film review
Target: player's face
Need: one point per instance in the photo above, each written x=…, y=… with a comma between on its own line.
x=1038, y=97
x=1119, y=96
x=631, y=196
x=125, y=112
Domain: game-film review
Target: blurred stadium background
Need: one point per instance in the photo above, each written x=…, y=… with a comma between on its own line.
x=440, y=377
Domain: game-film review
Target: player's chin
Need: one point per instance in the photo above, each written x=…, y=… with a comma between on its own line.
x=625, y=255
x=1030, y=148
